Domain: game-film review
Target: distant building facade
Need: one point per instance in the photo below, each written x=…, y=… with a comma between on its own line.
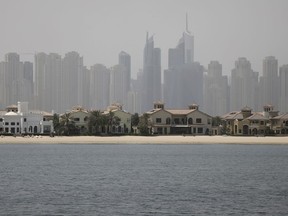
x=151, y=79
x=283, y=88
x=244, y=85
x=269, y=82
x=216, y=90
x=99, y=87
x=183, y=80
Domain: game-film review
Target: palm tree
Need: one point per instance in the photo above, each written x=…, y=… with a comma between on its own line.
x=143, y=124
x=112, y=121
x=67, y=125
x=95, y=121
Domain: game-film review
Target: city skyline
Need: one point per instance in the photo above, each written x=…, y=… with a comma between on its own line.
x=99, y=30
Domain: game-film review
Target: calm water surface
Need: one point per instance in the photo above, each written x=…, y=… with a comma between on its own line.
x=143, y=180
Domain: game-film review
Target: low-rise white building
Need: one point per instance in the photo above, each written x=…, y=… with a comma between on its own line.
x=20, y=120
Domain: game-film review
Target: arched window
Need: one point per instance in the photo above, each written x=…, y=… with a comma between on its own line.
x=35, y=129
x=190, y=121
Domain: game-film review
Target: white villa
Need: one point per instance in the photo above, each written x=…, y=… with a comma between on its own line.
x=20, y=120
x=185, y=121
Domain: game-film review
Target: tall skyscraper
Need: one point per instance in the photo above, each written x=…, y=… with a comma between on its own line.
x=53, y=88
x=72, y=80
x=183, y=80
x=284, y=89
x=39, y=81
x=125, y=61
x=244, y=86
x=2, y=86
x=99, y=87
x=16, y=80
x=151, y=84
x=27, y=81
x=216, y=90
x=269, y=83
x=47, y=82
x=13, y=73
x=118, y=88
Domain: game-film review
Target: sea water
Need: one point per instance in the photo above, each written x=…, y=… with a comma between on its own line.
x=143, y=179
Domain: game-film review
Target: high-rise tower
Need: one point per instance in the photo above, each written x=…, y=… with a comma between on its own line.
x=284, y=89
x=183, y=80
x=151, y=84
x=215, y=90
x=269, y=83
x=244, y=86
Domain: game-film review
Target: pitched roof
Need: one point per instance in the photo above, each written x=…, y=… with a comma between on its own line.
x=232, y=115
x=283, y=116
x=180, y=112
x=257, y=116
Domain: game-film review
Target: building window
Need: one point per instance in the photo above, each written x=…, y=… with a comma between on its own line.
x=25, y=119
x=6, y=123
x=76, y=119
x=198, y=120
x=158, y=120
x=12, y=123
x=17, y=123
x=190, y=121
x=262, y=122
x=1, y=119
x=86, y=118
x=168, y=120
x=200, y=130
x=160, y=130
x=176, y=120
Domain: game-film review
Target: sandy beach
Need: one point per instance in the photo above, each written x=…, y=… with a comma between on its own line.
x=143, y=140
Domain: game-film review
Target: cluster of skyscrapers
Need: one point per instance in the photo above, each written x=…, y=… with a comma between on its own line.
x=56, y=83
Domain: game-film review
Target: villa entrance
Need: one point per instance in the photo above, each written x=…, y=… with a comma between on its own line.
x=245, y=130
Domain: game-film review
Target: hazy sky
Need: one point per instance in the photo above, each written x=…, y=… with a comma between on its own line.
x=99, y=29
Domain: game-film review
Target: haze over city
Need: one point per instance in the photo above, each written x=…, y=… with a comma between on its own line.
x=219, y=55
x=223, y=30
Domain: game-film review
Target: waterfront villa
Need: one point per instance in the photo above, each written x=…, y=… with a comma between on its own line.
x=19, y=119
x=125, y=118
x=246, y=122
x=183, y=121
x=80, y=118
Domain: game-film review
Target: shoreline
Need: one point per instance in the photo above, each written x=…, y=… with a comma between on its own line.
x=143, y=140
